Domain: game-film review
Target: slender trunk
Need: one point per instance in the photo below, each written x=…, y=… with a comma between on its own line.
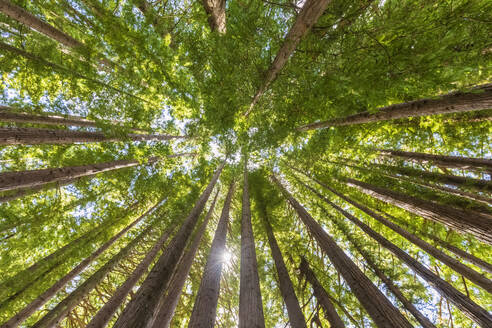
x=311, y=11
x=170, y=301
x=472, y=275
x=250, y=304
x=33, y=136
x=477, y=164
x=457, y=219
x=466, y=305
x=23, y=192
x=478, y=99
x=141, y=310
x=32, y=307
x=59, y=312
x=216, y=14
x=104, y=315
x=321, y=295
x=296, y=317
x=383, y=313
x=205, y=307
x=10, y=114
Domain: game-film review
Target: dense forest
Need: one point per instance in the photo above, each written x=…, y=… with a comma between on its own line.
x=246, y=163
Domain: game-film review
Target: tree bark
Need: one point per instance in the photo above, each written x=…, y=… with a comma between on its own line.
x=321, y=295
x=205, y=307
x=310, y=13
x=478, y=99
x=461, y=301
x=476, y=164
x=32, y=307
x=216, y=14
x=296, y=317
x=141, y=310
x=170, y=301
x=383, y=313
x=250, y=304
x=33, y=136
x=459, y=220
x=59, y=312
x=467, y=272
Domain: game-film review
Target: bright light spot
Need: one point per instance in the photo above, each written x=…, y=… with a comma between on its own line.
x=226, y=257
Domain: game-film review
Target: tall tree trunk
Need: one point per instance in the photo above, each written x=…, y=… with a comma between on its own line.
x=33, y=136
x=170, y=301
x=311, y=11
x=32, y=307
x=450, y=103
x=250, y=304
x=457, y=219
x=296, y=317
x=461, y=301
x=321, y=295
x=205, y=307
x=383, y=313
x=23, y=192
x=476, y=164
x=467, y=272
x=216, y=14
x=9, y=114
x=59, y=312
x=141, y=310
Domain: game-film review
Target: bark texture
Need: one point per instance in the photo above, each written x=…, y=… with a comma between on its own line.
x=383, y=313
x=321, y=295
x=250, y=304
x=480, y=98
x=296, y=317
x=216, y=14
x=308, y=16
x=205, y=307
x=169, y=303
x=141, y=310
x=457, y=219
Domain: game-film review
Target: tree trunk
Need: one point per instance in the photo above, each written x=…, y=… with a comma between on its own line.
x=205, y=307
x=250, y=304
x=32, y=307
x=311, y=11
x=33, y=136
x=141, y=310
x=467, y=163
x=450, y=103
x=104, y=315
x=170, y=301
x=461, y=301
x=454, y=264
x=19, y=193
x=296, y=317
x=59, y=312
x=476, y=224
x=383, y=313
x=216, y=14
x=321, y=295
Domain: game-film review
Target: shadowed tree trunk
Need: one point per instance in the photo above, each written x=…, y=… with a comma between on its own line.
x=59, y=312
x=457, y=219
x=321, y=295
x=205, y=307
x=476, y=164
x=32, y=307
x=296, y=317
x=478, y=99
x=250, y=304
x=216, y=14
x=383, y=313
x=467, y=272
x=461, y=301
x=308, y=16
x=170, y=301
x=141, y=310
x=33, y=136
